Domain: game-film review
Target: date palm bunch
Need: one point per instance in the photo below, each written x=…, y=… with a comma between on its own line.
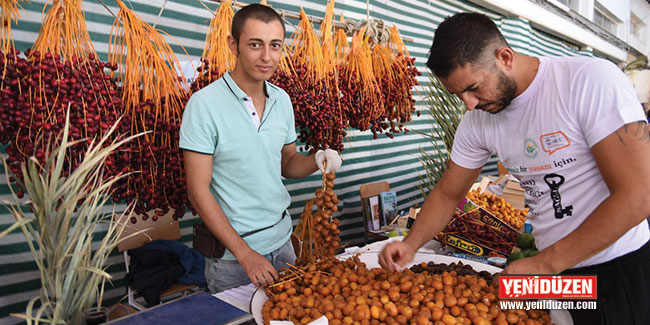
x=68, y=215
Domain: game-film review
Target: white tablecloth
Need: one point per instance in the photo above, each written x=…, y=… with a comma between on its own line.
x=432, y=247
x=239, y=297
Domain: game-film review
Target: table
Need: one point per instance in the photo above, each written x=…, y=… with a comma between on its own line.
x=239, y=297
x=204, y=308
x=198, y=308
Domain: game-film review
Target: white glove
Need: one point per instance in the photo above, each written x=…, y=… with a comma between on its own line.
x=332, y=157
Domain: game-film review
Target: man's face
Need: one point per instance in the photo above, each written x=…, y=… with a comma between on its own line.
x=259, y=49
x=488, y=89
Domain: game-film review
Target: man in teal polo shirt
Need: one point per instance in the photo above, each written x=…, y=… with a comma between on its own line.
x=238, y=136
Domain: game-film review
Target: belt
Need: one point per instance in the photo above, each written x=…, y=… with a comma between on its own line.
x=261, y=229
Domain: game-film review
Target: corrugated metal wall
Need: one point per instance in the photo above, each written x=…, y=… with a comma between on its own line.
x=365, y=160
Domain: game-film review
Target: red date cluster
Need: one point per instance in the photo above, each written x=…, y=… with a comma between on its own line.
x=398, y=99
x=159, y=183
x=317, y=111
x=37, y=92
x=208, y=72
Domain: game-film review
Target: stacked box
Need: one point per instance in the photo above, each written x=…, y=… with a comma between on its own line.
x=476, y=231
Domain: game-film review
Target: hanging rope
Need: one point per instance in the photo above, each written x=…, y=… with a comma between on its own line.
x=160, y=14
x=207, y=8
x=376, y=29
x=109, y=11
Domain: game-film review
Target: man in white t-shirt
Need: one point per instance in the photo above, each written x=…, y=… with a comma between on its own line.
x=573, y=132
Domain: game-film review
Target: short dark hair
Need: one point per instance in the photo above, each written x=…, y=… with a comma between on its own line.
x=460, y=39
x=257, y=11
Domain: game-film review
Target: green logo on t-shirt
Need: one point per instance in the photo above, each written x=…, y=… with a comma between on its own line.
x=530, y=148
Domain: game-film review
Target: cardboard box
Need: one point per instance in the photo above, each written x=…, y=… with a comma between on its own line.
x=514, y=194
x=486, y=217
x=475, y=231
x=413, y=213
x=481, y=185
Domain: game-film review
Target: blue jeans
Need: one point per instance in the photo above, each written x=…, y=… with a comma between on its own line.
x=225, y=274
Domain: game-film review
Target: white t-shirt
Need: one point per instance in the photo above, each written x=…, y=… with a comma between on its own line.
x=544, y=138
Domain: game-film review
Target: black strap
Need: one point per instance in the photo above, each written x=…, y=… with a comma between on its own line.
x=258, y=230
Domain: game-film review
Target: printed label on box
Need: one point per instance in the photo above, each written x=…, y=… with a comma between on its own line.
x=489, y=219
x=465, y=245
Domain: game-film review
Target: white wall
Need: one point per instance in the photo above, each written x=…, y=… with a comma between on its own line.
x=620, y=9
x=641, y=80
x=584, y=8
x=641, y=9
x=546, y=20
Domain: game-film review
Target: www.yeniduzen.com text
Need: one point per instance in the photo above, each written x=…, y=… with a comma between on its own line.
x=547, y=304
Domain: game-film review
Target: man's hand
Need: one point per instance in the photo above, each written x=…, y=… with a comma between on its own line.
x=395, y=255
x=259, y=269
x=332, y=157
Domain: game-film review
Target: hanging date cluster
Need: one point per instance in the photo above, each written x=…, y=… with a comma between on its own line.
x=62, y=75
x=332, y=84
x=308, y=73
x=326, y=201
x=217, y=57
x=396, y=74
x=154, y=99
x=318, y=232
x=335, y=84
x=56, y=76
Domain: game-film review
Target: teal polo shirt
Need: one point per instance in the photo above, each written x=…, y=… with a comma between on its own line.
x=246, y=160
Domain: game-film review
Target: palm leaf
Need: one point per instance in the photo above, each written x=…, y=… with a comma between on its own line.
x=446, y=111
x=66, y=214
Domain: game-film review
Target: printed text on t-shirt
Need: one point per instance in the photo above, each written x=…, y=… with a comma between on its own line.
x=552, y=142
